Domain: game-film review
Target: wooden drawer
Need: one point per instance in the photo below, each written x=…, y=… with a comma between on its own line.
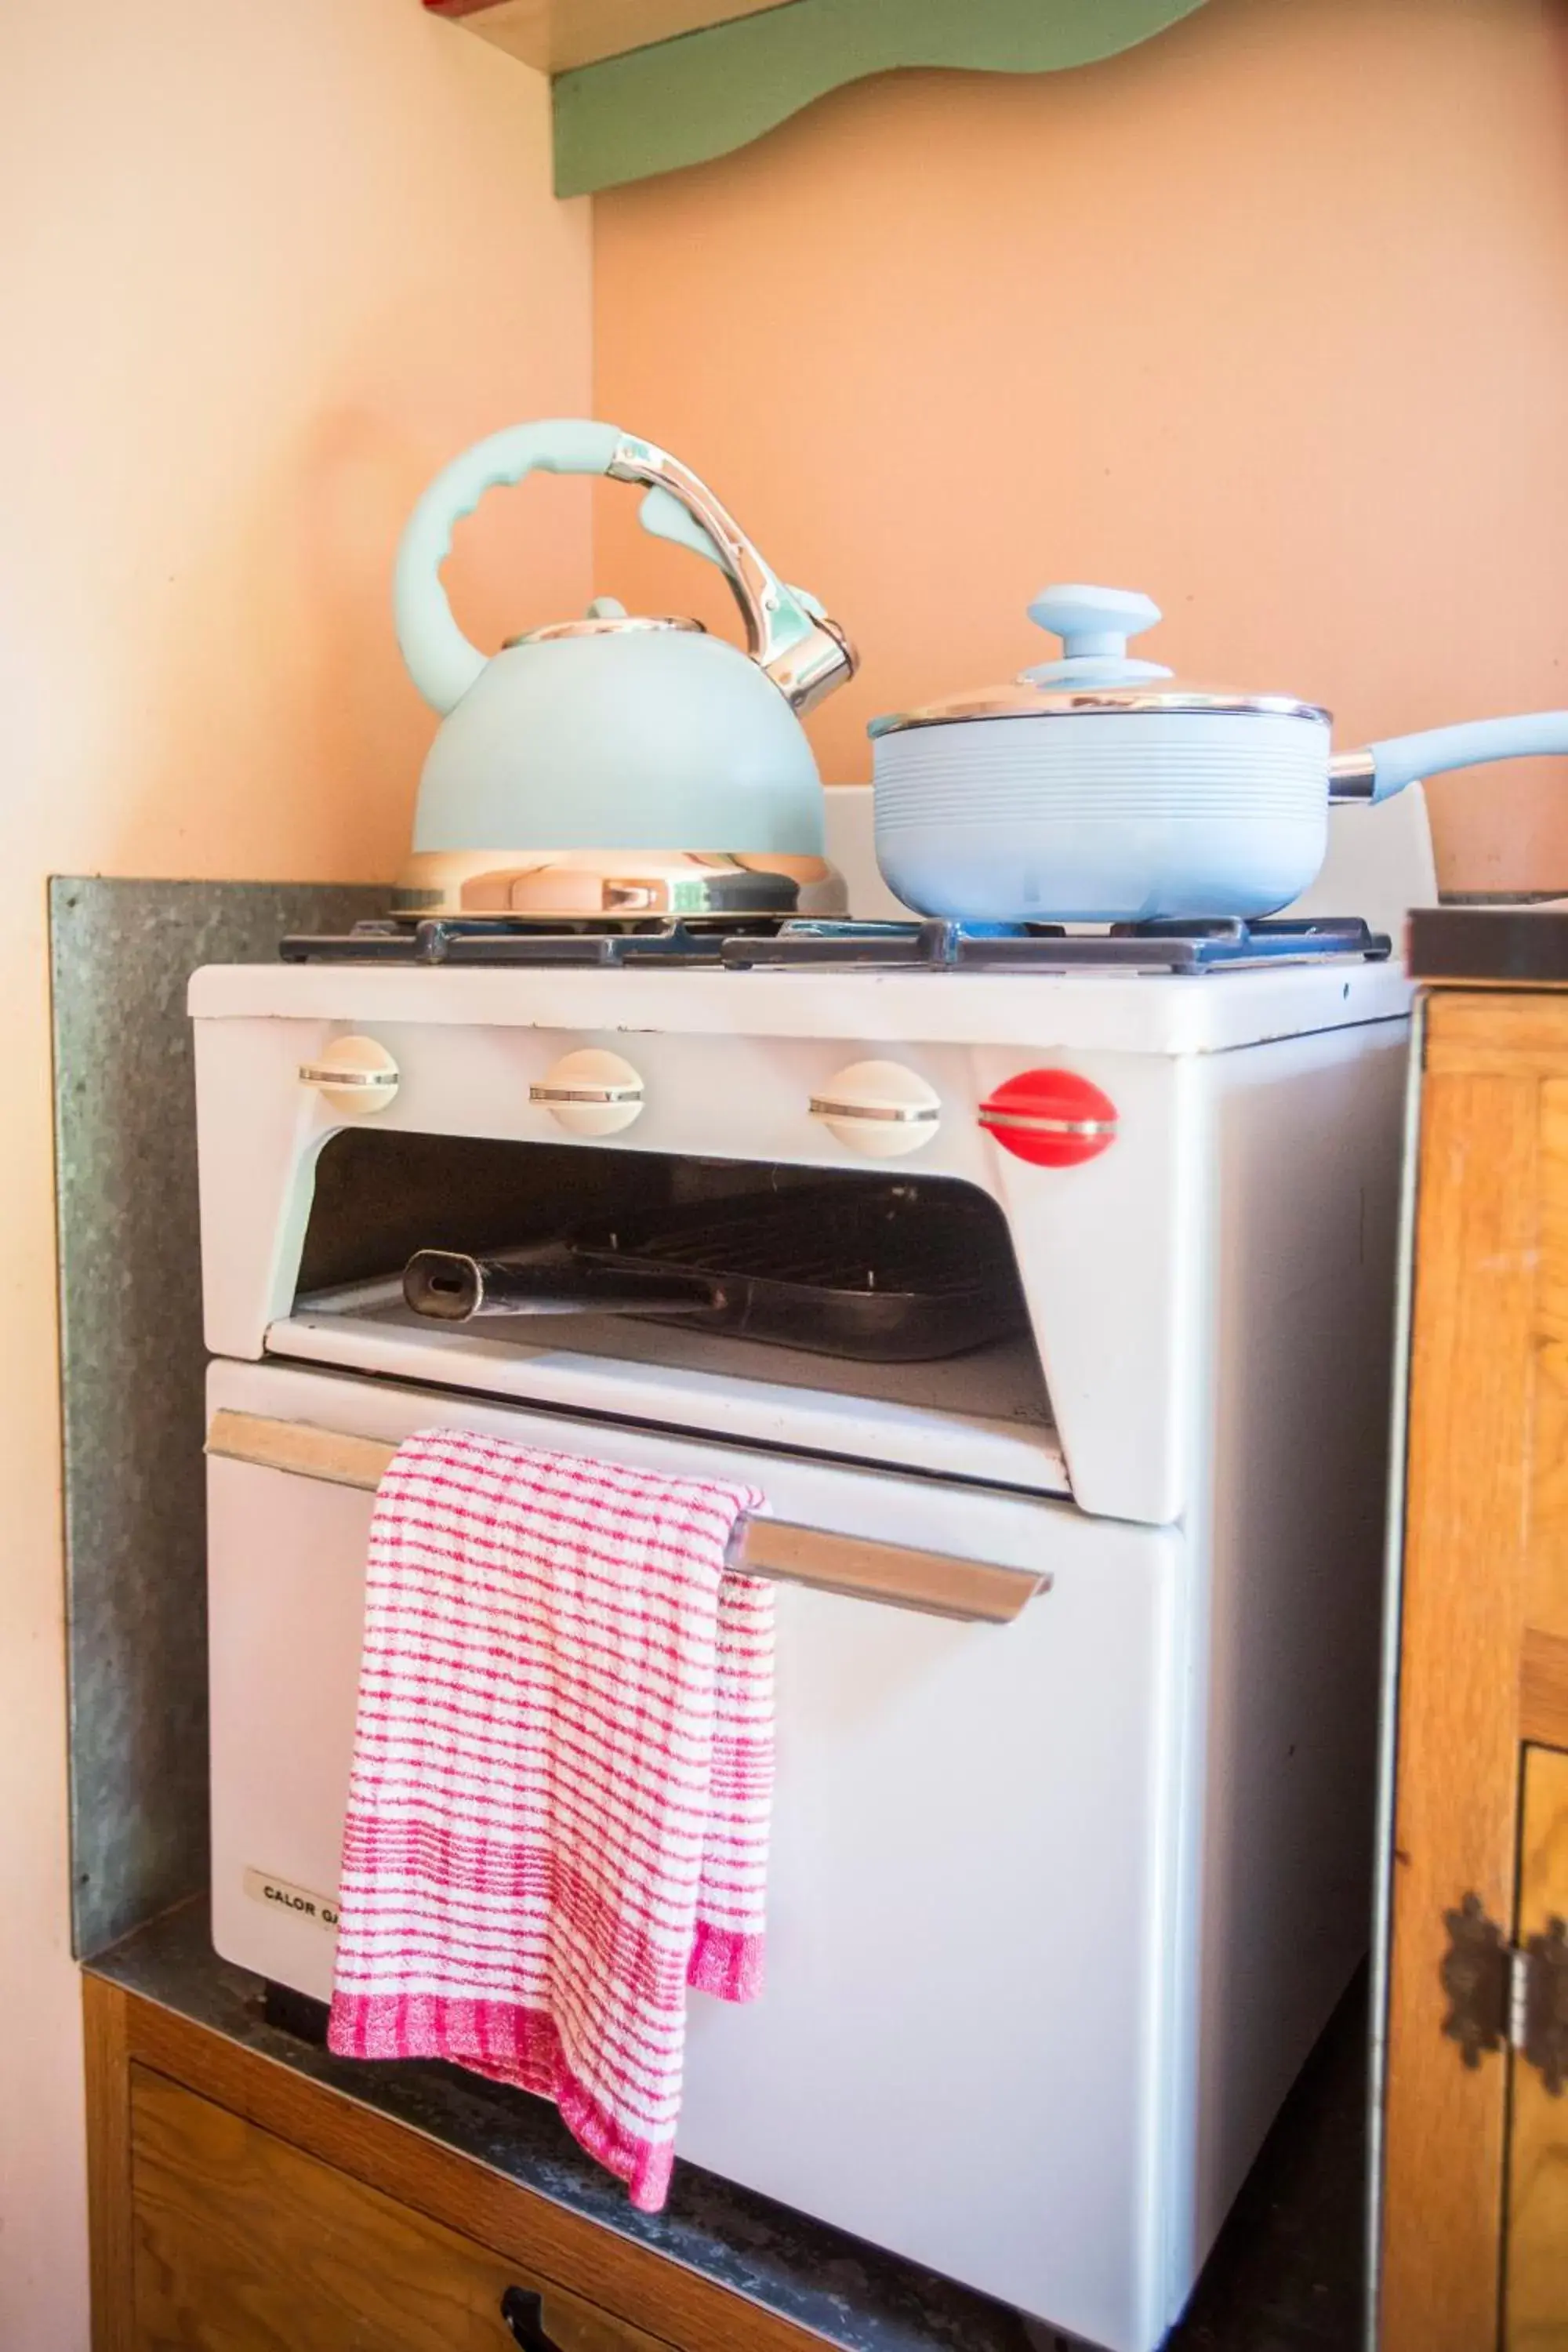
x=241, y=2243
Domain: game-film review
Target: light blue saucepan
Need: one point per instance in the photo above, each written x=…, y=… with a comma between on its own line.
x=1099, y=789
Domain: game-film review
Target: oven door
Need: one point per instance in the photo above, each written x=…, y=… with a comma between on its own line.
x=963, y=2050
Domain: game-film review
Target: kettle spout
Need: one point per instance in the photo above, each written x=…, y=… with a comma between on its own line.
x=788, y=635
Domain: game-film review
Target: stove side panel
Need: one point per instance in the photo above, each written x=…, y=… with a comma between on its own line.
x=1301, y=1142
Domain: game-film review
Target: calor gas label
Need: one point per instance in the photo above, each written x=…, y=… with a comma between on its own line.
x=320, y=1910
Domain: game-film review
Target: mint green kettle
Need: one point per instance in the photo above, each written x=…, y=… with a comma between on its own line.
x=615, y=767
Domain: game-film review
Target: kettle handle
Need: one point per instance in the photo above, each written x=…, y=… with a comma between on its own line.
x=441, y=662
x=787, y=634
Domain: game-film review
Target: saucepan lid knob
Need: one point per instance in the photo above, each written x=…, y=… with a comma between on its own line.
x=1094, y=625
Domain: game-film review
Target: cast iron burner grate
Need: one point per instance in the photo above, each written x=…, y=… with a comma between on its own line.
x=1166, y=946
x=445, y=939
x=933, y=946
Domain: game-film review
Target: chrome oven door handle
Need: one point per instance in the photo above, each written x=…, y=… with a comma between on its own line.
x=941, y=1584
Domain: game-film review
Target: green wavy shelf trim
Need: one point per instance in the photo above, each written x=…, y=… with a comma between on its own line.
x=706, y=94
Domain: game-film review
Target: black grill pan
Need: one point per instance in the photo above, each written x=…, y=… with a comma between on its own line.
x=888, y=1274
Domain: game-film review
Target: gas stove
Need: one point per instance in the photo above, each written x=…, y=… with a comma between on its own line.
x=1141, y=1368
x=1164, y=948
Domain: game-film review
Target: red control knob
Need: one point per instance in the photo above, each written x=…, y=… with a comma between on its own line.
x=1051, y=1117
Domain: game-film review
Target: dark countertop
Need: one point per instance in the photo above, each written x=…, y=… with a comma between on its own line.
x=1526, y=945
x=1286, y=2275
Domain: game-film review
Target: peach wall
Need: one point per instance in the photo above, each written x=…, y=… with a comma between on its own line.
x=266, y=263
x=1268, y=317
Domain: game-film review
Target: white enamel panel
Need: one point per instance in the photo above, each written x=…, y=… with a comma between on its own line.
x=1103, y=1011
x=736, y=1390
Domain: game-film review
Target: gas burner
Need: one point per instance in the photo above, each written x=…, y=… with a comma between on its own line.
x=1162, y=948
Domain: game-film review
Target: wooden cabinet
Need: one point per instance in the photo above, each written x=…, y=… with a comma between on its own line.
x=1474, y=2239
x=238, y=2206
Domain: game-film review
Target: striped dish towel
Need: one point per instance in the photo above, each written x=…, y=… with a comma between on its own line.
x=558, y=1815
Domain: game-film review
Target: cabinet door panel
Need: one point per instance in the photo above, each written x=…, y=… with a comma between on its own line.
x=1466, y=1543
x=244, y=2244
x=1537, y=2265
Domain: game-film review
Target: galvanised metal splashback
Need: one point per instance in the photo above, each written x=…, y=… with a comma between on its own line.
x=131, y=1365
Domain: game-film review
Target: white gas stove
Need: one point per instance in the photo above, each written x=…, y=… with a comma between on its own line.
x=1065, y=1880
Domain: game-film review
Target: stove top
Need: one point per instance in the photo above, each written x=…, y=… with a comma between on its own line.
x=1162, y=948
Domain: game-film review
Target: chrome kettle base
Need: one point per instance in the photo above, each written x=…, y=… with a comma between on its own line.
x=617, y=885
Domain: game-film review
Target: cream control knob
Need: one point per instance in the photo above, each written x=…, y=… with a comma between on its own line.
x=879, y=1109
x=354, y=1075
x=591, y=1092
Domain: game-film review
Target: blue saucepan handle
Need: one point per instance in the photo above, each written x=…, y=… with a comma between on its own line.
x=1405, y=758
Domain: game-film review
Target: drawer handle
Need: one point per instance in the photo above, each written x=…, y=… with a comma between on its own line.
x=935, y=1581
x=523, y=2312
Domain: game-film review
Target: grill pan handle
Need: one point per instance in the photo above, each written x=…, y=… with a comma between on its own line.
x=941, y=1584
x=449, y=1286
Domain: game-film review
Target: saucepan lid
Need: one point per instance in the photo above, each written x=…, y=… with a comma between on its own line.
x=1095, y=674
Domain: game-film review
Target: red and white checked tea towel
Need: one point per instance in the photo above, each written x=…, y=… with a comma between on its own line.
x=558, y=1817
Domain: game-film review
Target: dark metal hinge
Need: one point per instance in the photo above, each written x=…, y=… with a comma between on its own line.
x=1507, y=1996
